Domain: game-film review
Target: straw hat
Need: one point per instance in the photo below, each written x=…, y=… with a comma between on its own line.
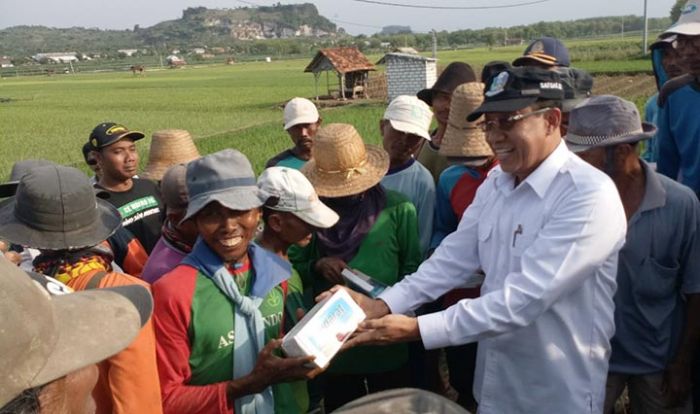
x=169, y=147
x=342, y=164
x=463, y=138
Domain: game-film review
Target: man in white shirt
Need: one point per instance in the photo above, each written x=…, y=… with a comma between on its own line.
x=545, y=228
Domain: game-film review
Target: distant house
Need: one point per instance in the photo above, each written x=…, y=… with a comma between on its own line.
x=350, y=65
x=5, y=62
x=199, y=50
x=128, y=52
x=407, y=73
x=175, y=61
x=406, y=50
x=56, y=57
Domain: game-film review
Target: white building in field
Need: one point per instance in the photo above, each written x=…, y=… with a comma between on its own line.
x=406, y=74
x=57, y=57
x=128, y=52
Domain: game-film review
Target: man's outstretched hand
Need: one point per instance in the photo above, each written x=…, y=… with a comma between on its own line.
x=389, y=329
x=373, y=308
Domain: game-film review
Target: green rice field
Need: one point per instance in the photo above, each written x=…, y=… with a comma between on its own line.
x=235, y=106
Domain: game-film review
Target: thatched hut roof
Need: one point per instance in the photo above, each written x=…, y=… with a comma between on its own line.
x=341, y=59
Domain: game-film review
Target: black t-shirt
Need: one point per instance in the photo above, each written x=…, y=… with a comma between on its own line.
x=142, y=211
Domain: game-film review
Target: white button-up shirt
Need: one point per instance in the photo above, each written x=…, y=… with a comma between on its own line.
x=544, y=320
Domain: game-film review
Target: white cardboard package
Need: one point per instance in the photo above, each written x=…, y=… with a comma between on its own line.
x=324, y=329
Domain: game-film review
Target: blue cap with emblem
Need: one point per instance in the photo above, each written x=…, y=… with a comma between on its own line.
x=107, y=133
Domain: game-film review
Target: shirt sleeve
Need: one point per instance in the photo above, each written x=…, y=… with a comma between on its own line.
x=407, y=236
x=455, y=258
x=668, y=162
x=171, y=317
x=690, y=259
x=586, y=230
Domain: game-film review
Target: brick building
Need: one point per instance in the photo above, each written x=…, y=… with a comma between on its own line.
x=406, y=74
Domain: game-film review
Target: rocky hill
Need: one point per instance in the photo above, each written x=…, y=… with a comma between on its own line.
x=197, y=27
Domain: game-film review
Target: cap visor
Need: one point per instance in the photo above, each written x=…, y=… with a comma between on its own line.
x=319, y=215
x=504, y=105
x=524, y=60
x=426, y=95
x=134, y=135
x=301, y=120
x=689, y=29
x=239, y=198
x=20, y=233
x=94, y=325
x=409, y=128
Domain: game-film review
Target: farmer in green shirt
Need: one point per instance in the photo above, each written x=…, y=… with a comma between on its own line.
x=377, y=234
x=221, y=311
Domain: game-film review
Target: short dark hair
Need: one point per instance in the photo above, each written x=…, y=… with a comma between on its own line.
x=25, y=403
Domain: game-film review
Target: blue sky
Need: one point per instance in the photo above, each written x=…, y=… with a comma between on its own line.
x=354, y=16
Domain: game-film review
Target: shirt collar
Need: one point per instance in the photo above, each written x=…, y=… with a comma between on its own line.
x=401, y=167
x=654, y=191
x=540, y=179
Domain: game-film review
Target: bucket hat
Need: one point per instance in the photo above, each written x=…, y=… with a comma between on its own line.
x=342, y=164
x=41, y=331
x=299, y=111
x=456, y=73
x=410, y=115
x=226, y=177
x=545, y=50
x=603, y=121
x=289, y=190
x=464, y=138
x=20, y=168
x=55, y=208
x=689, y=21
x=173, y=187
x=518, y=88
x=169, y=147
x=107, y=133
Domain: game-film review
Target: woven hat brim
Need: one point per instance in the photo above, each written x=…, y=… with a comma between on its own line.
x=238, y=198
x=20, y=233
x=648, y=131
x=340, y=185
x=469, y=143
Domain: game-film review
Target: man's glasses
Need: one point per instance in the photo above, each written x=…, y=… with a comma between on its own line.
x=506, y=124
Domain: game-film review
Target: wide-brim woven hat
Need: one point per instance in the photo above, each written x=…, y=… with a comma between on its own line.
x=169, y=147
x=55, y=208
x=463, y=138
x=603, y=121
x=342, y=164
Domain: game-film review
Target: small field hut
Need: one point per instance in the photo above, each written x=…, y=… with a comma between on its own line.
x=349, y=64
x=408, y=73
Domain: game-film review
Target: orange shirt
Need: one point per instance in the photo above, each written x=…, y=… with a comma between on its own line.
x=128, y=382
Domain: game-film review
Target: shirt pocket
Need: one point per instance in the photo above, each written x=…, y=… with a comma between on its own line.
x=657, y=280
x=521, y=242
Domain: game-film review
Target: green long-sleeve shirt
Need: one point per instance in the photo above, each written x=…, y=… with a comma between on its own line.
x=388, y=252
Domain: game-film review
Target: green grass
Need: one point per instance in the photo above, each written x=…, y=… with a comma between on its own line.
x=236, y=106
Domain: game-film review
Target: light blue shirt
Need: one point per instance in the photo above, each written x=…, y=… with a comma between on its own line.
x=415, y=182
x=548, y=248
x=659, y=262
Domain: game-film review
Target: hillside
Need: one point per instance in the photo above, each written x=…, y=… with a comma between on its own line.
x=197, y=27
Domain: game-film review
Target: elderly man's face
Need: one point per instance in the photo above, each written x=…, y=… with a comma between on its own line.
x=522, y=144
x=441, y=107
x=290, y=228
x=688, y=48
x=303, y=136
x=227, y=232
x=400, y=145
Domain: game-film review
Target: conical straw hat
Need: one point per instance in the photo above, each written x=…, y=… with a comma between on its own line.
x=169, y=147
x=463, y=138
x=342, y=164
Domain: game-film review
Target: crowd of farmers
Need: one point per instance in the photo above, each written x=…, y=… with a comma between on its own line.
x=540, y=248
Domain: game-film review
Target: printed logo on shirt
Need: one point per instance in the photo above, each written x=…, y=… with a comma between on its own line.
x=227, y=340
x=138, y=209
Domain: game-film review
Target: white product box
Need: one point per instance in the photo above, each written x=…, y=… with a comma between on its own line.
x=324, y=329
